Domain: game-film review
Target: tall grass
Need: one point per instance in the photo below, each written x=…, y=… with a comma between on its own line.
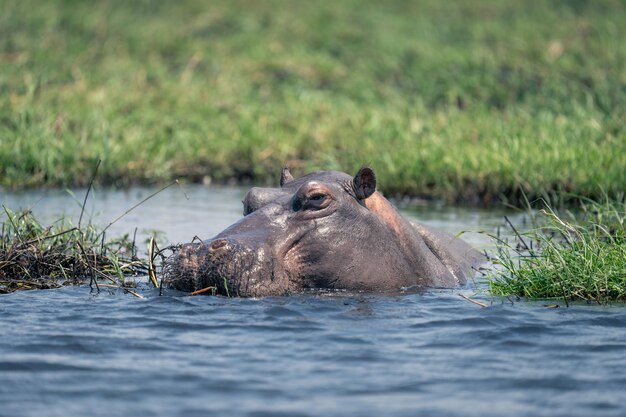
x=457, y=100
x=566, y=256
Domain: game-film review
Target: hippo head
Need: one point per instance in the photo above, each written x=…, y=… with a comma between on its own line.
x=312, y=232
x=326, y=229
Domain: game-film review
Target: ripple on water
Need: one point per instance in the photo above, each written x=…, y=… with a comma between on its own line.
x=427, y=353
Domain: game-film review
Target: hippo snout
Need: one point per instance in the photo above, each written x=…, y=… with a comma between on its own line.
x=219, y=263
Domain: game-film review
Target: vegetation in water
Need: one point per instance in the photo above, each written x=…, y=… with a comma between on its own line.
x=37, y=257
x=457, y=100
x=579, y=256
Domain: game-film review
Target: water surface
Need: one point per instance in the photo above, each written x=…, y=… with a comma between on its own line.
x=68, y=352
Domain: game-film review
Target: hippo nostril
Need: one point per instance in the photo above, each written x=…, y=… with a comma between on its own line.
x=218, y=244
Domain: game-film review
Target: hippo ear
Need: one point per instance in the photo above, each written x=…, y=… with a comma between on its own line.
x=285, y=176
x=364, y=183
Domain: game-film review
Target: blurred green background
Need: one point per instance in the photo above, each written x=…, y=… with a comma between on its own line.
x=461, y=100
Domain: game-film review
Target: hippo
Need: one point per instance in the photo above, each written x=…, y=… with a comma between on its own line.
x=324, y=230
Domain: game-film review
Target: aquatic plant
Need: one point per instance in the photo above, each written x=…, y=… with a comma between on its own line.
x=37, y=257
x=570, y=256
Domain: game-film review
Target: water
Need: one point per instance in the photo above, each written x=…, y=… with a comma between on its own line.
x=71, y=353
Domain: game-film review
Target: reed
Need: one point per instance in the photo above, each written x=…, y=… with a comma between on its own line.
x=36, y=257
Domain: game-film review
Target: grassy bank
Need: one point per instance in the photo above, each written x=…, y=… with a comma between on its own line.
x=566, y=256
x=457, y=100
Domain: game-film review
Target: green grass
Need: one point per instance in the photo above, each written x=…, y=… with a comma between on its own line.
x=457, y=100
x=568, y=257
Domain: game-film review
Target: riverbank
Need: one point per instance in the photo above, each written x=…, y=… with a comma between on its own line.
x=467, y=102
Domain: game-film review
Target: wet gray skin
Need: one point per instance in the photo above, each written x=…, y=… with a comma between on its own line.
x=325, y=230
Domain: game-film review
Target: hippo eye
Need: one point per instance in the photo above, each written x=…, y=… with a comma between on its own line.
x=312, y=197
x=316, y=202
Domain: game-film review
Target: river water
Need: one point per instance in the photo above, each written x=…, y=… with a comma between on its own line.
x=68, y=352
